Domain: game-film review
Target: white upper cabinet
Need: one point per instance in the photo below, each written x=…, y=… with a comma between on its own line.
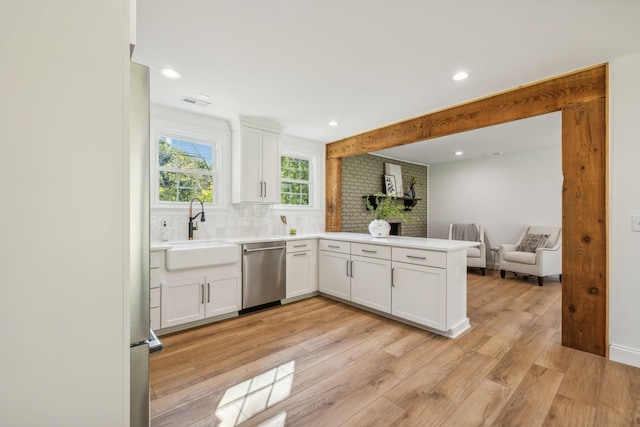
x=256, y=164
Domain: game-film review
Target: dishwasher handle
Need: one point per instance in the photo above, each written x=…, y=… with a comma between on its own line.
x=265, y=249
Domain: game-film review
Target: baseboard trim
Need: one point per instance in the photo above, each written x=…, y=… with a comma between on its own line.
x=626, y=355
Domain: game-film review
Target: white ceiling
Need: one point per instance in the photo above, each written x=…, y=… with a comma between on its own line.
x=535, y=133
x=370, y=63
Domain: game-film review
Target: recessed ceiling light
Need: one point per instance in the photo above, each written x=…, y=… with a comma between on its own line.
x=202, y=97
x=171, y=73
x=461, y=75
x=458, y=153
x=333, y=123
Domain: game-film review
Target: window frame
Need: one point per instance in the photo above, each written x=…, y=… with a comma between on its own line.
x=312, y=179
x=213, y=141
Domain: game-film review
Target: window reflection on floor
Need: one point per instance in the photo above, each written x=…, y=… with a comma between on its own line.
x=242, y=401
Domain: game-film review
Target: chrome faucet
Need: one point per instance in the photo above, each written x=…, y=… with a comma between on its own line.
x=193, y=217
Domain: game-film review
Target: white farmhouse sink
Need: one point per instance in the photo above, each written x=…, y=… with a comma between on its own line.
x=201, y=254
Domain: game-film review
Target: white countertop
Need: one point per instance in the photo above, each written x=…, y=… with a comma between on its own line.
x=441, y=245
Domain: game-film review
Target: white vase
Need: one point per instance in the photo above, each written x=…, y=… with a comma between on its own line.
x=379, y=228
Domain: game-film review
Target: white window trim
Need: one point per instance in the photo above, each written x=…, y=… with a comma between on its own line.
x=219, y=201
x=313, y=180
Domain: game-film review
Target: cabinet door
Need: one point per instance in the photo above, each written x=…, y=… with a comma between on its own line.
x=418, y=293
x=371, y=282
x=251, y=165
x=223, y=294
x=333, y=274
x=298, y=274
x=182, y=301
x=270, y=167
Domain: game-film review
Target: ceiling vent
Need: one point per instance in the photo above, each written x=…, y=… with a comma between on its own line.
x=196, y=102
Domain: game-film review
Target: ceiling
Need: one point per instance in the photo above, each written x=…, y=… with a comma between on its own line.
x=371, y=63
x=535, y=133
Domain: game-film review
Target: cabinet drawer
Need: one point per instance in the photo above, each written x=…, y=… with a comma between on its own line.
x=154, y=298
x=335, y=246
x=299, y=245
x=154, y=258
x=154, y=278
x=420, y=257
x=371, y=251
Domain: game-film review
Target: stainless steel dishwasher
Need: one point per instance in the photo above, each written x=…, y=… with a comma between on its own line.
x=263, y=273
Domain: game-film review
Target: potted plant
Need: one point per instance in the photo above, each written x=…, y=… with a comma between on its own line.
x=382, y=208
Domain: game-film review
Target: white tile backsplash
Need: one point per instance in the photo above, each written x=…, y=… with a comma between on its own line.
x=237, y=220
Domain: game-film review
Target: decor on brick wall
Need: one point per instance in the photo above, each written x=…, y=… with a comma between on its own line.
x=394, y=170
x=362, y=176
x=412, y=190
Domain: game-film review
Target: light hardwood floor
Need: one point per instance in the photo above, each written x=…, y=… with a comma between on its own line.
x=319, y=362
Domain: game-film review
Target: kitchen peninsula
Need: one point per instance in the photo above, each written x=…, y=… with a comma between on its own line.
x=419, y=281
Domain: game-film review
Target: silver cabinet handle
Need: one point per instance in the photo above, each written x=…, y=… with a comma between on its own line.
x=208, y=292
x=393, y=270
x=367, y=251
x=351, y=268
x=417, y=257
x=202, y=293
x=300, y=254
x=348, y=275
x=265, y=188
x=299, y=246
x=334, y=246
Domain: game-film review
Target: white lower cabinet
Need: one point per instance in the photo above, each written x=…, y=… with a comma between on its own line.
x=370, y=279
x=333, y=273
x=364, y=280
x=419, y=294
x=198, y=297
x=301, y=267
x=420, y=286
x=223, y=294
x=182, y=301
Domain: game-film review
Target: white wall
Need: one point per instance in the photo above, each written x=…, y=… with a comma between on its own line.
x=65, y=355
x=503, y=193
x=624, y=200
x=232, y=220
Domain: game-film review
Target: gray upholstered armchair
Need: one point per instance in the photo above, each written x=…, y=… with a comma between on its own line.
x=477, y=255
x=538, y=252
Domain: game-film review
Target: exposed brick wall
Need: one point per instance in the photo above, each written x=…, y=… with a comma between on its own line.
x=362, y=175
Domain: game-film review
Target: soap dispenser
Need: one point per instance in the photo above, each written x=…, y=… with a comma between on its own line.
x=165, y=232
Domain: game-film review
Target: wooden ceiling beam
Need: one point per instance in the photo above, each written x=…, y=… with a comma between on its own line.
x=531, y=100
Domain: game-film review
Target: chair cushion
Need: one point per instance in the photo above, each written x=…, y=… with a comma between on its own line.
x=552, y=231
x=520, y=257
x=531, y=242
x=473, y=252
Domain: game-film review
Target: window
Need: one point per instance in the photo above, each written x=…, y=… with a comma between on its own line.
x=186, y=169
x=295, y=181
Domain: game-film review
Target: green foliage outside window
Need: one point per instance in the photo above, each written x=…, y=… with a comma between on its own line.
x=186, y=170
x=294, y=181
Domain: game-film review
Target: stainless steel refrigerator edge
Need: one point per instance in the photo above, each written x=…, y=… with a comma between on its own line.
x=138, y=169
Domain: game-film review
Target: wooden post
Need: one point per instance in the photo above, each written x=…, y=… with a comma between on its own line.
x=584, y=219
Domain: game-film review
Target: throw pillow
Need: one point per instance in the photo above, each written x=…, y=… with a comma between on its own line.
x=531, y=242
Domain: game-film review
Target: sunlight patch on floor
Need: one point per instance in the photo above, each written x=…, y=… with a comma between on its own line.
x=248, y=398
